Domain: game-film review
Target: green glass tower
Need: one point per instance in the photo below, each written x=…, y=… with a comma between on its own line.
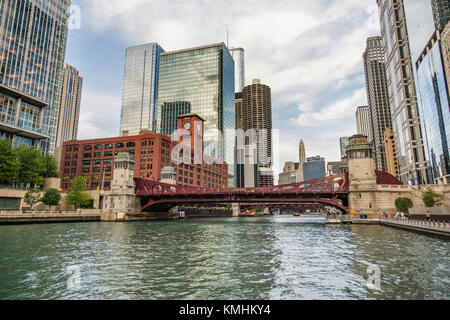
x=202, y=78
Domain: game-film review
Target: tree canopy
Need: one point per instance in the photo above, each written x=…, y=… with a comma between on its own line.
x=32, y=197
x=432, y=199
x=404, y=204
x=51, y=197
x=25, y=165
x=77, y=195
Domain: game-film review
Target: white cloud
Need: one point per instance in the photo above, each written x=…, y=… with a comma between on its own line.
x=99, y=116
x=335, y=111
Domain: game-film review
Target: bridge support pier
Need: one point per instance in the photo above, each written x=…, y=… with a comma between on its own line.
x=236, y=209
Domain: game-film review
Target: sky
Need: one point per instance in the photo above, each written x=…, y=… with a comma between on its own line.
x=308, y=52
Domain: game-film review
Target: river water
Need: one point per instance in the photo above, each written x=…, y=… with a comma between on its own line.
x=221, y=258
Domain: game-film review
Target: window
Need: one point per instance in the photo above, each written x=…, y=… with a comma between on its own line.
x=107, y=161
x=97, y=162
x=86, y=162
x=108, y=146
x=87, y=155
x=131, y=145
x=97, y=154
x=120, y=145
x=86, y=170
x=108, y=154
x=87, y=148
x=98, y=147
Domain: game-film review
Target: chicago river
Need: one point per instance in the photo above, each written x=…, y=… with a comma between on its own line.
x=279, y=257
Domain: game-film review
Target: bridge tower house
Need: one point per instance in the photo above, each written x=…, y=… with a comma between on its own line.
x=121, y=199
x=363, y=195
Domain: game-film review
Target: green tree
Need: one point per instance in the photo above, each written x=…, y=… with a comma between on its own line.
x=32, y=197
x=50, y=167
x=404, y=204
x=31, y=166
x=9, y=163
x=432, y=199
x=51, y=197
x=77, y=195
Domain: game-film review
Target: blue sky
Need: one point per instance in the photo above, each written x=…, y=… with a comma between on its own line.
x=308, y=52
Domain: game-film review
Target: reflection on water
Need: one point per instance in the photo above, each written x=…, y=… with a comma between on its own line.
x=223, y=258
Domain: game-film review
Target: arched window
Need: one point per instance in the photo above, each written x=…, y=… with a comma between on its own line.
x=108, y=146
x=120, y=145
x=131, y=145
x=98, y=147
x=88, y=148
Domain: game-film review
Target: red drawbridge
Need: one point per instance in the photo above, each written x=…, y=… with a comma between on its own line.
x=330, y=191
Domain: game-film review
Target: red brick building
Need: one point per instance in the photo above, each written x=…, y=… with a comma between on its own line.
x=94, y=159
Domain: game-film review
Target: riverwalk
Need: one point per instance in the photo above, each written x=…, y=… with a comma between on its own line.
x=430, y=227
x=8, y=218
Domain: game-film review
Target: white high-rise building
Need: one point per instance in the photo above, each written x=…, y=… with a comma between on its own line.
x=238, y=55
x=363, y=124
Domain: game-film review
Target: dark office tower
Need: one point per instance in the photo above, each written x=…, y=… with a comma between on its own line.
x=170, y=111
x=257, y=115
x=428, y=48
x=402, y=94
x=33, y=38
x=378, y=97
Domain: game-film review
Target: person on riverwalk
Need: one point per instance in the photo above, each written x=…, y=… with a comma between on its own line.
x=428, y=215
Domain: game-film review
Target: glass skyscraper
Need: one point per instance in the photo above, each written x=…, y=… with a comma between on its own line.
x=33, y=35
x=204, y=78
x=409, y=148
x=140, y=89
x=430, y=80
x=314, y=168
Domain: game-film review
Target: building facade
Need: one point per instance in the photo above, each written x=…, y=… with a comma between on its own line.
x=33, y=37
x=377, y=97
x=314, y=168
x=363, y=123
x=389, y=147
x=238, y=55
x=140, y=89
x=402, y=94
x=94, y=159
x=290, y=174
x=432, y=89
x=69, y=114
x=203, y=77
x=256, y=123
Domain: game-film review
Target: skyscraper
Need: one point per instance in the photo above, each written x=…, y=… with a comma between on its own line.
x=203, y=77
x=402, y=95
x=69, y=114
x=140, y=89
x=238, y=55
x=378, y=97
x=314, y=168
x=344, y=142
x=257, y=115
x=363, y=123
x=33, y=38
x=301, y=159
x=424, y=31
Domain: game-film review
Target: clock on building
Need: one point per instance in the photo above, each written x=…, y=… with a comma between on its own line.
x=187, y=125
